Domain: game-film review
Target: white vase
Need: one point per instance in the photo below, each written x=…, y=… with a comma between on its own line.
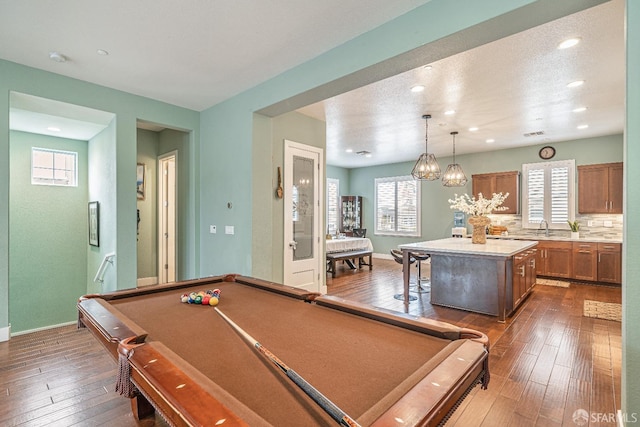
x=575, y=234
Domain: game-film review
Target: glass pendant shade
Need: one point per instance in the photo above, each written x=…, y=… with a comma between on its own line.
x=454, y=175
x=427, y=167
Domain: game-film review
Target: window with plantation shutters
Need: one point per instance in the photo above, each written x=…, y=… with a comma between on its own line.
x=333, y=207
x=548, y=194
x=397, y=206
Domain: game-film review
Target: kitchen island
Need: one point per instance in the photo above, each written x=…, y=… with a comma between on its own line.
x=492, y=278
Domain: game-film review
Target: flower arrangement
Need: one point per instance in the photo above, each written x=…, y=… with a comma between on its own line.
x=480, y=206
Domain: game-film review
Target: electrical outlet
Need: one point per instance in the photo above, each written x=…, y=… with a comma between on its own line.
x=212, y=229
x=608, y=224
x=589, y=223
x=229, y=229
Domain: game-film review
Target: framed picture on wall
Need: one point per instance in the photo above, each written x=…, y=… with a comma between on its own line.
x=140, y=181
x=94, y=223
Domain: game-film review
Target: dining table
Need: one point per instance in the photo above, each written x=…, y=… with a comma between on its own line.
x=345, y=244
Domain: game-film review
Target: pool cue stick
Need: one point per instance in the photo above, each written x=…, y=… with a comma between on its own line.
x=328, y=406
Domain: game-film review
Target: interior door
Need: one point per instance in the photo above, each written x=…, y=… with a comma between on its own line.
x=167, y=217
x=303, y=178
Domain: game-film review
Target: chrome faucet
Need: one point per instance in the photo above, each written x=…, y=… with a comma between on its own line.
x=546, y=228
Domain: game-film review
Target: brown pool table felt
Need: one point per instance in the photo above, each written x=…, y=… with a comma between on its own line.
x=362, y=365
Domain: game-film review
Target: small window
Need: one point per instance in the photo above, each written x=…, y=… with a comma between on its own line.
x=548, y=194
x=333, y=203
x=54, y=167
x=397, y=207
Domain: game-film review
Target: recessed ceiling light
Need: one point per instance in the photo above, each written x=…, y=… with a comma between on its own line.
x=583, y=126
x=569, y=43
x=53, y=129
x=349, y=150
x=490, y=141
x=428, y=67
x=449, y=112
x=579, y=109
x=473, y=129
x=576, y=83
x=102, y=52
x=57, y=57
x=417, y=88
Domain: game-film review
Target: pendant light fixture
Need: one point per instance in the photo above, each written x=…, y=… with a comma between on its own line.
x=427, y=167
x=454, y=175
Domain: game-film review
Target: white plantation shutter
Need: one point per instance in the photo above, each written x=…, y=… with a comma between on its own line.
x=397, y=207
x=548, y=193
x=333, y=203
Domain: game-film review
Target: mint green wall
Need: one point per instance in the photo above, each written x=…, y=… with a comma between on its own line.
x=128, y=109
x=437, y=217
x=48, y=238
x=342, y=175
x=631, y=247
x=262, y=245
x=102, y=177
x=148, y=150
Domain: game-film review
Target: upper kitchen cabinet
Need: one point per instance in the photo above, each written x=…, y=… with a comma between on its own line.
x=499, y=182
x=600, y=188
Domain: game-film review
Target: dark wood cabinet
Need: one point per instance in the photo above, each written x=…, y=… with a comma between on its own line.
x=600, y=188
x=524, y=276
x=610, y=262
x=555, y=259
x=499, y=182
x=350, y=214
x=585, y=261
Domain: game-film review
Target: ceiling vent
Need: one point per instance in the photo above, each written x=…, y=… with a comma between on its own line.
x=363, y=152
x=538, y=133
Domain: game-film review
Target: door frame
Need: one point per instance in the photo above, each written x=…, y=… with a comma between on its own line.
x=320, y=279
x=162, y=159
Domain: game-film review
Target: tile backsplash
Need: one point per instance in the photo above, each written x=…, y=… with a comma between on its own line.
x=592, y=225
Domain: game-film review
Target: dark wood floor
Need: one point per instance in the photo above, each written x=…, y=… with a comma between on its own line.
x=546, y=362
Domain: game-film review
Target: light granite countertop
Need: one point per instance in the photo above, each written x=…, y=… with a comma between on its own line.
x=493, y=247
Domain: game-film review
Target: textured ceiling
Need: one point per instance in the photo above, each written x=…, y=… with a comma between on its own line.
x=507, y=88
x=192, y=54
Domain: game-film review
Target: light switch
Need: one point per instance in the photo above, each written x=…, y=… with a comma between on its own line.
x=228, y=229
x=212, y=229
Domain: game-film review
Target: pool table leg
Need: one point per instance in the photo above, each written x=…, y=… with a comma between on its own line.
x=141, y=407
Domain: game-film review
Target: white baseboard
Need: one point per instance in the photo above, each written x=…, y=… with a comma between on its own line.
x=44, y=328
x=5, y=333
x=146, y=281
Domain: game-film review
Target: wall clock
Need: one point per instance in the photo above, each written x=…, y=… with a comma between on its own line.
x=547, y=152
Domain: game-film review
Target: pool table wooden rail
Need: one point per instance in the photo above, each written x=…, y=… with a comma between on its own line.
x=186, y=397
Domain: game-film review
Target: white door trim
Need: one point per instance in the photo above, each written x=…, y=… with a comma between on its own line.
x=319, y=278
x=164, y=254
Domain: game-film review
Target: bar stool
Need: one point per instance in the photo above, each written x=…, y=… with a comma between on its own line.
x=397, y=256
x=421, y=288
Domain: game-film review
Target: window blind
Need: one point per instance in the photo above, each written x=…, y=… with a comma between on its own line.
x=548, y=193
x=397, y=207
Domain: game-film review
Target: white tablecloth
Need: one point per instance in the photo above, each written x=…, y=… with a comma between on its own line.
x=349, y=244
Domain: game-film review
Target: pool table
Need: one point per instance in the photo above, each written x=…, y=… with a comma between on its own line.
x=380, y=367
